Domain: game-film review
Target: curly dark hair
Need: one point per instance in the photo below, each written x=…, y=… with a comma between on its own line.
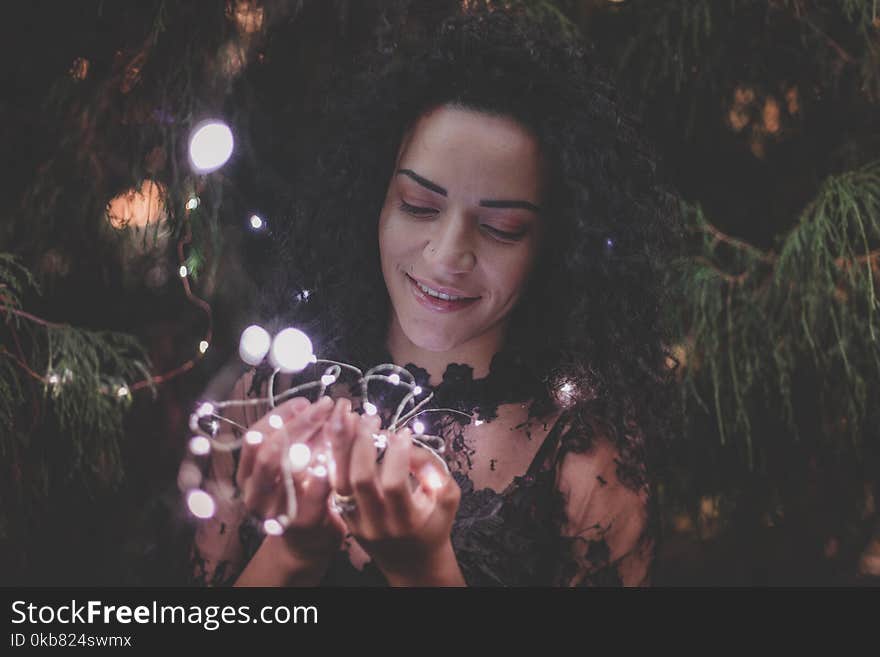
x=592, y=313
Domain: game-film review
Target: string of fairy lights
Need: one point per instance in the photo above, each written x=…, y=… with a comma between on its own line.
x=290, y=351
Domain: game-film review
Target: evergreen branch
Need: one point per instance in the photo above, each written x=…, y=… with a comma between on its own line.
x=149, y=381
x=185, y=239
x=719, y=236
x=872, y=258
x=733, y=279
x=32, y=318
x=813, y=302
x=11, y=395
x=15, y=279
x=24, y=366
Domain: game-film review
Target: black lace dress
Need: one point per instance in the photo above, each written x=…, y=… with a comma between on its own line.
x=567, y=520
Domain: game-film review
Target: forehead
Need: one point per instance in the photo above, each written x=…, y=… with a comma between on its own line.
x=474, y=153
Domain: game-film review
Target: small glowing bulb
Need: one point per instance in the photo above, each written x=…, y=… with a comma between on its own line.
x=192, y=203
x=370, y=409
x=380, y=440
x=199, y=445
x=567, y=393
x=417, y=390
x=394, y=378
x=122, y=391
x=210, y=146
x=291, y=350
x=431, y=477
x=207, y=408
x=477, y=423
x=200, y=504
x=203, y=346
x=54, y=379
x=253, y=437
x=305, y=295
x=182, y=271
x=418, y=428
x=256, y=222
x=609, y=242
x=254, y=344
x=272, y=527
x=299, y=455
x=275, y=421
x=319, y=471
x=328, y=379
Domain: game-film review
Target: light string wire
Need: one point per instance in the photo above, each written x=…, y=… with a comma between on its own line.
x=206, y=420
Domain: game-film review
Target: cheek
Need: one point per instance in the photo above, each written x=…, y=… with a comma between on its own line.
x=394, y=249
x=387, y=238
x=511, y=276
x=396, y=236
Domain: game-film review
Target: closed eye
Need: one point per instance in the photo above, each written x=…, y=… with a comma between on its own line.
x=504, y=234
x=416, y=210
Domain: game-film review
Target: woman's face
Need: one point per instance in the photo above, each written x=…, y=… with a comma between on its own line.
x=462, y=218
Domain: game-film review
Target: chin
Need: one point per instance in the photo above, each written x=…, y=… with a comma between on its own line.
x=439, y=344
x=431, y=341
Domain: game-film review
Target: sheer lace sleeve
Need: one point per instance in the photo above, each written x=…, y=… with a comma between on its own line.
x=606, y=535
x=224, y=543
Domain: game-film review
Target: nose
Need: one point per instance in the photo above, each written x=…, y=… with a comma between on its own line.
x=449, y=249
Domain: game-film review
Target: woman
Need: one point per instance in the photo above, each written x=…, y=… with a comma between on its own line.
x=513, y=270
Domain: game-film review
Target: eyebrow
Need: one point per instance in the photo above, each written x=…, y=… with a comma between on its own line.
x=486, y=203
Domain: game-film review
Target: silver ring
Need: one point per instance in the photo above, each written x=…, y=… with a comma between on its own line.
x=344, y=503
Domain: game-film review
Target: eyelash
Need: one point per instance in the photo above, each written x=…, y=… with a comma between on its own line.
x=424, y=212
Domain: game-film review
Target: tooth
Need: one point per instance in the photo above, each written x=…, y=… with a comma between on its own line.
x=438, y=295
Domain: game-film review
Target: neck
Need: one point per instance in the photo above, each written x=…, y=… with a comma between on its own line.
x=476, y=353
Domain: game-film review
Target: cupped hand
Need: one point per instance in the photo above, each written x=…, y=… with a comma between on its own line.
x=404, y=507
x=316, y=530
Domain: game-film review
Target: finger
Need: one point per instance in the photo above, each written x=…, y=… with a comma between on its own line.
x=305, y=425
x=285, y=412
x=332, y=433
x=262, y=487
x=255, y=435
x=341, y=443
x=297, y=455
x=431, y=475
x=364, y=480
x=299, y=430
x=312, y=493
x=394, y=476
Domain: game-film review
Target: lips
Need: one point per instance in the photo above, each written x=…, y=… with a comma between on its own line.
x=435, y=304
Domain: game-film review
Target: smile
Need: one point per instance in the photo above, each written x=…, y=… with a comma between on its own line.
x=436, y=300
